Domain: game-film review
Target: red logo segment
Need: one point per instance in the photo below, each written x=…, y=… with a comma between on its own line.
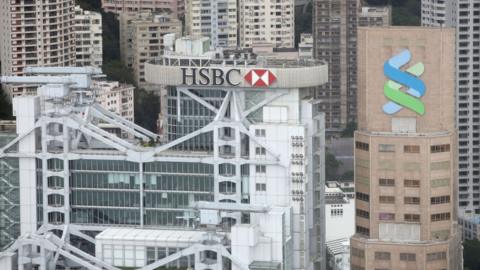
x=260, y=77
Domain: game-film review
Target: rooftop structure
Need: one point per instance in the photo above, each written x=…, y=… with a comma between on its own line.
x=174, y=8
x=375, y=16
x=212, y=175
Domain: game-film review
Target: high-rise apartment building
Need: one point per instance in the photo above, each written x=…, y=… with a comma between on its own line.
x=88, y=38
x=216, y=19
x=175, y=8
x=238, y=184
x=466, y=19
x=142, y=39
x=406, y=151
x=35, y=33
x=335, y=38
x=439, y=12
x=267, y=21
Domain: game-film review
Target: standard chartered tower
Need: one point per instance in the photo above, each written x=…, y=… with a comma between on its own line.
x=405, y=151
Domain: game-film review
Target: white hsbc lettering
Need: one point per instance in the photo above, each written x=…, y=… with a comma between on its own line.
x=210, y=76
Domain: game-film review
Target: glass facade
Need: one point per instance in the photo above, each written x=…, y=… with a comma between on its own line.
x=108, y=191
x=193, y=117
x=9, y=197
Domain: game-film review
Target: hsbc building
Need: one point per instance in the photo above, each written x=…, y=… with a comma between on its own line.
x=253, y=123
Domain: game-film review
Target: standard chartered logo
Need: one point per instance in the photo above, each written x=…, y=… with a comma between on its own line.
x=399, y=99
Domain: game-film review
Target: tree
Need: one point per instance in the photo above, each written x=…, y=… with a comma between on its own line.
x=471, y=249
x=331, y=166
x=147, y=108
x=116, y=71
x=5, y=106
x=349, y=130
x=93, y=5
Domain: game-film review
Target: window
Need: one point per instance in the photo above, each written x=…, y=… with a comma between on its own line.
x=386, y=216
x=410, y=257
x=440, y=217
x=260, y=169
x=440, y=199
x=337, y=212
x=357, y=252
x=386, y=148
x=413, y=149
x=361, y=146
x=411, y=217
x=261, y=187
x=363, y=197
x=387, y=199
x=436, y=256
x=260, y=132
x=260, y=151
x=439, y=148
x=411, y=200
x=382, y=255
x=386, y=182
x=411, y=183
x=363, y=231
x=363, y=214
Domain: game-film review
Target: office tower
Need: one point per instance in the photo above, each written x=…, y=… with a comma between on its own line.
x=267, y=21
x=374, y=16
x=142, y=39
x=237, y=185
x=216, y=19
x=175, y=8
x=88, y=38
x=439, y=12
x=35, y=33
x=405, y=151
x=467, y=22
x=335, y=39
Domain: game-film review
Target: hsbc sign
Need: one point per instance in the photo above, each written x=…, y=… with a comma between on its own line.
x=232, y=77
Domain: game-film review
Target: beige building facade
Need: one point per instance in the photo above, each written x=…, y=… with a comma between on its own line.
x=173, y=7
x=267, y=21
x=142, y=39
x=406, y=151
x=335, y=42
x=216, y=19
x=35, y=33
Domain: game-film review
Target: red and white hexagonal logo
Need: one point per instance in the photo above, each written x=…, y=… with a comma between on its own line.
x=260, y=77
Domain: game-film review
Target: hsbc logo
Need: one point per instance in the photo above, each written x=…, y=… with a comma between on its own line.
x=232, y=77
x=260, y=77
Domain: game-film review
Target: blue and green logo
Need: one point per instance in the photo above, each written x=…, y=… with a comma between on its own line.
x=398, y=98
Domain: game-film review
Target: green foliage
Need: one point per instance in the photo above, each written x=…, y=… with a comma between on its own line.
x=347, y=176
x=93, y=5
x=115, y=70
x=471, y=250
x=404, y=12
x=5, y=106
x=147, y=108
x=349, y=130
x=111, y=37
x=303, y=21
x=331, y=166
